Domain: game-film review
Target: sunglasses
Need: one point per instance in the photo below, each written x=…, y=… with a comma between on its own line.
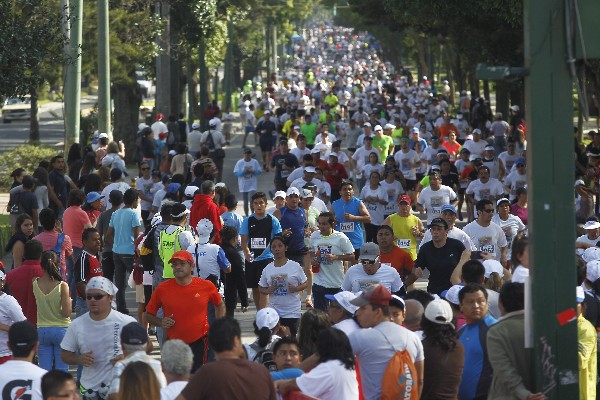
x=488, y=210
x=367, y=261
x=95, y=296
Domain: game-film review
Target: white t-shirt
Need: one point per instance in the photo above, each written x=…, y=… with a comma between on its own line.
x=406, y=162
x=247, y=171
x=510, y=227
x=210, y=258
x=357, y=280
x=519, y=274
x=375, y=209
x=454, y=233
x=393, y=190
x=481, y=191
x=120, y=186
x=508, y=160
x=300, y=182
x=515, y=181
x=475, y=147
x=117, y=370
x=489, y=239
x=299, y=153
x=10, y=312
x=103, y=339
x=330, y=380
x=287, y=305
x=361, y=156
x=347, y=326
x=172, y=390
x=319, y=204
x=331, y=273
x=433, y=200
x=295, y=174
x=376, y=346
x=21, y=380
x=149, y=187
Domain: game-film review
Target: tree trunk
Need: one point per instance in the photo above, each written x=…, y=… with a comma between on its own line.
x=128, y=98
x=34, y=123
x=203, y=82
x=502, y=98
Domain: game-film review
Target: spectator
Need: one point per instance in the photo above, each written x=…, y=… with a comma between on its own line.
x=23, y=232
x=93, y=207
x=235, y=281
x=20, y=376
x=59, y=182
x=116, y=183
x=24, y=202
x=115, y=198
x=57, y=384
x=139, y=382
x=286, y=355
x=231, y=374
x=87, y=266
x=53, y=312
x=75, y=221
x=313, y=321
x=266, y=327
x=20, y=280
x=53, y=239
x=176, y=360
x=10, y=312
x=115, y=157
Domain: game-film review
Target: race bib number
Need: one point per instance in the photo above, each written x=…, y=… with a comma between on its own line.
x=487, y=249
x=486, y=245
x=404, y=243
x=389, y=208
x=285, y=173
x=347, y=226
x=405, y=165
x=436, y=204
x=484, y=194
x=258, y=243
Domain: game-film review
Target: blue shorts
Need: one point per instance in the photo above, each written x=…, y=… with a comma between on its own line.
x=249, y=129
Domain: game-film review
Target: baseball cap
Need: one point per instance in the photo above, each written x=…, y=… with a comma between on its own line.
x=267, y=318
x=103, y=136
x=369, y=251
x=452, y=294
x=343, y=299
x=515, y=108
x=579, y=294
x=439, y=312
x=306, y=193
x=213, y=122
x=389, y=126
x=473, y=157
x=190, y=190
x=434, y=138
x=438, y=222
x=279, y=193
x=591, y=254
x=204, y=229
x=502, y=200
x=520, y=161
x=173, y=187
x=310, y=170
x=403, y=198
x=172, y=152
x=488, y=148
x=478, y=131
x=2, y=276
x=579, y=182
x=592, y=273
x=414, y=130
x=22, y=335
x=267, y=112
x=375, y=294
x=465, y=150
x=195, y=125
x=377, y=128
x=367, y=124
x=334, y=154
x=247, y=150
x=160, y=116
x=92, y=197
x=492, y=266
x=315, y=151
x=220, y=184
x=397, y=301
x=115, y=197
x=134, y=334
x=469, y=137
x=448, y=207
x=293, y=191
x=182, y=255
x=591, y=225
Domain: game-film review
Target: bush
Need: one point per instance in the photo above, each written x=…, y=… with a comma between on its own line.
x=27, y=157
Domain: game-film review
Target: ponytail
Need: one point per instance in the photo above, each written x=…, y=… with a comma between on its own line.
x=50, y=265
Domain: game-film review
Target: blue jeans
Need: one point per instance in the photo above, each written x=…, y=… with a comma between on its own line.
x=81, y=307
x=49, y=350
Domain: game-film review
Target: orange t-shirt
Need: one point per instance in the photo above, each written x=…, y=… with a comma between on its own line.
x=188, y=306
x=445, y=129
x=400, y=260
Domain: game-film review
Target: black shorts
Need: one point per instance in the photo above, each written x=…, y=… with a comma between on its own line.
x=411, y=184
x=462, y=190
x=265, y=142
x=254, y=271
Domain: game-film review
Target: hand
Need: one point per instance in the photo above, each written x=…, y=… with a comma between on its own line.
x=287, y=232
x=418, y=272
x=292, y=288
x=284, y=331
x=247, y=256
x=415, y=231
x=486, y=256
x=86, y=359
x=331, y=257
x=117, y=359
x=349, y=217
x=536, y=396
x=271, y=289
x=168, y=322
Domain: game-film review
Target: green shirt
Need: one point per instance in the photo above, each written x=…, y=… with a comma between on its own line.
x=310, y=131
x=384, y=145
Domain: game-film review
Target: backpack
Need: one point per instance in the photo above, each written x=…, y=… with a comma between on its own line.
x=264, y=357
x=59, y=244
x=210, y=143
x=400, y=380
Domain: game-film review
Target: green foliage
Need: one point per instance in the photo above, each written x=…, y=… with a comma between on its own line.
x=5, y=235
x=32, y=43
x=27, y=157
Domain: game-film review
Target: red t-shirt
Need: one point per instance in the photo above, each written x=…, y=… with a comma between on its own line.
x=19, y=281
x=335, y=181
x=188, y=306
x=74, y=222
x=400, y=260
x=49, y=241
x=204, y=207
x=86, y=267
x=93, y=216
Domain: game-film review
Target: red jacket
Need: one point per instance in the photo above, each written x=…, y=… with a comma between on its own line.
x=20, y=284
x=204, y=207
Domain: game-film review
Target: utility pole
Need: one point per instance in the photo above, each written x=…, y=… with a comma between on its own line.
x=228, y=70
x=163, y=61
x=104, y=105
x=549, y=107
x=73, y=78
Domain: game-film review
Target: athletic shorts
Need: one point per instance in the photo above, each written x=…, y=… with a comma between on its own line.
x=254, y=271
x=462, y=190
x=265, y=142
x=249, y=129
x=411, y=184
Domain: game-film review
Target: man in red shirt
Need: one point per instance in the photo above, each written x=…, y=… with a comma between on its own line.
x=87, y=266
x=184, y=301
x=335, y=174
x=204, y=207
x=394, y=256
x=19, y=280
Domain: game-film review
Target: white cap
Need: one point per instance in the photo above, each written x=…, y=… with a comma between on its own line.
x=204, y=229
x=293, y=190
x=452, y=294
x=591, y=254
x=334, y=154
x=156, y=219
x=473, y=157
x=315, y=151
x=367, y=124
x=172, y=152
x=515, y=108
x=306, y=193
x=267, y=318
x=579, y=294
x=220, y=184
x=469, y=137
x=2, y=276
x=459, y=116
x=142, y=126
x=344, y=298
x=310, y=170
x=492, y=266
x=591, y=225
x=279, y=193
x=195, y=125
x=488, y=148
x=414, y=130
x=103, y=136
x=377, y=128
x=389, y=126
x=190, y=190
x=502, y=200
x=477, y=130
x=579, y=182
x=213, y=122
x=439, y=311
x=593, y=271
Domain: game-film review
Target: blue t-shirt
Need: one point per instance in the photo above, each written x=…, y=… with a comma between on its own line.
x=123, y=221
x=275, y=229
x=295, y=220
x=289, y=373
x=352, y=229
x=233, y=219
x=477, y=372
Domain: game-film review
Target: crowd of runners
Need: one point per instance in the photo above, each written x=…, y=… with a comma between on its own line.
x=391, y=265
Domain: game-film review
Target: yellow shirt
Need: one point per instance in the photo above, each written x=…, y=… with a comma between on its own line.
x=49, y=307
x=402, y=233
x=588, y=360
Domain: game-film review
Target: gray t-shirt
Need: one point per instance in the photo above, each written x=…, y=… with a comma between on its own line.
x=102, y=226
x=374, y=352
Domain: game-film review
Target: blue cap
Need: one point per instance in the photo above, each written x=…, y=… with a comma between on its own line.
x=92, y=197
x=173, y=187
x=449, y=207
x=520, y=161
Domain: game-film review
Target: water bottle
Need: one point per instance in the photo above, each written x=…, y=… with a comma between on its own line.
x=316, y=262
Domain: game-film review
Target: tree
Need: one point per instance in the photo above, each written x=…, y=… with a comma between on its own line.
x=32, y=48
